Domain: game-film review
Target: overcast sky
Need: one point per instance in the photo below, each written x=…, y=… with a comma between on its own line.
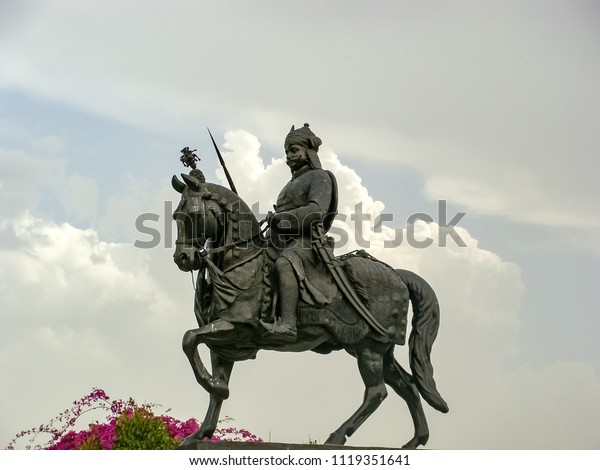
x=490, y=106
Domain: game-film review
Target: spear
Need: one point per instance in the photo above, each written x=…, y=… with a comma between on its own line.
x=231, y=185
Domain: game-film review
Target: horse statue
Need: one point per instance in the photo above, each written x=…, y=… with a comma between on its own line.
x=218, y=235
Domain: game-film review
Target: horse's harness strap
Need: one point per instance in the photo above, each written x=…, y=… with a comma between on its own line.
x=195, y=241
x=238, y=244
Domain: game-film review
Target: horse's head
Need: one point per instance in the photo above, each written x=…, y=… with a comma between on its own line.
x=212, y=215
x=199, y=219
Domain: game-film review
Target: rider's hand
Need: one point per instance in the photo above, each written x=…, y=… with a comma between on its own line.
x=268, y=219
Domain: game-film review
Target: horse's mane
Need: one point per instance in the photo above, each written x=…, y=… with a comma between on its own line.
x=236, y=209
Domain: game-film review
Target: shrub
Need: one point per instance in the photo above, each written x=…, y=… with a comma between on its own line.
x=142, y=430
x=128, y=426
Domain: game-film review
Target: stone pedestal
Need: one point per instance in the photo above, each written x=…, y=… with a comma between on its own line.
x=236, y=445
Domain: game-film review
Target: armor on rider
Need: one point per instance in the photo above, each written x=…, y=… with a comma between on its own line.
x=306, y=205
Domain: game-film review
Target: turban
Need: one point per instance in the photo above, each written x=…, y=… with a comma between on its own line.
x=307, y=138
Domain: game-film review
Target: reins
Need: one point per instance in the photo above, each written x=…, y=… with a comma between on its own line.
x=204, y=250
x=240, y=243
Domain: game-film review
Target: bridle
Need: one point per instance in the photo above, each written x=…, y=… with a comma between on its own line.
x=203, y=248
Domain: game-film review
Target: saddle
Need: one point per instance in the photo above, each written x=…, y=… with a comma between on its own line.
x=385, y=296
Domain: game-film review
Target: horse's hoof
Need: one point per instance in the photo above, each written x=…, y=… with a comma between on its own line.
x=336, y=439
x=416, y=442
x=189, y=443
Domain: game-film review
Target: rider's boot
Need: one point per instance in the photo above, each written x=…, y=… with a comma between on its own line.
x=285, y=328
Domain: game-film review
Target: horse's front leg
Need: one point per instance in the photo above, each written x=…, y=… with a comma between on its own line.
x=221, y=369
x=213, y=384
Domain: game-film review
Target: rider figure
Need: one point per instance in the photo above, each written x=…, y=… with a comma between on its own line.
x=307, y=200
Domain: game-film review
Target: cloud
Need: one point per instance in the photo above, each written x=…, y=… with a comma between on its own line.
x=490, y=107
x=79, y=312
x=36, y=178
x=80, y=196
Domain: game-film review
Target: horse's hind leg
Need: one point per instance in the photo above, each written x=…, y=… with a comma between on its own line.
x=403, y=384
x=370, y=365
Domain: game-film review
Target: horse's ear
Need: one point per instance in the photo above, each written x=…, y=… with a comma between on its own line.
x=178, y=185
x=191, y=181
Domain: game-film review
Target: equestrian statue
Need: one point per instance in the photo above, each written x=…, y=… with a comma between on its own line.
x=276, y=285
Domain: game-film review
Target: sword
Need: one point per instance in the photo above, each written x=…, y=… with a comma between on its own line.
x=339, y=276
x=227, y=175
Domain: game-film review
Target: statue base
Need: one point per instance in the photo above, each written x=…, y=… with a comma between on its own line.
x=241, y=445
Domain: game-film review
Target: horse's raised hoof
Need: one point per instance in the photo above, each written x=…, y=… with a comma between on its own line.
x=336, y=439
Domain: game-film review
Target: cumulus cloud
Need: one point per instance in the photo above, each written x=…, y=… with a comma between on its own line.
x=79, y=312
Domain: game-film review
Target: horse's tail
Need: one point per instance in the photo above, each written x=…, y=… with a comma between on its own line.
x=425, y=324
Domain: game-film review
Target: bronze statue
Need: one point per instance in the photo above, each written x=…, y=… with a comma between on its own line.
x=280, y=288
